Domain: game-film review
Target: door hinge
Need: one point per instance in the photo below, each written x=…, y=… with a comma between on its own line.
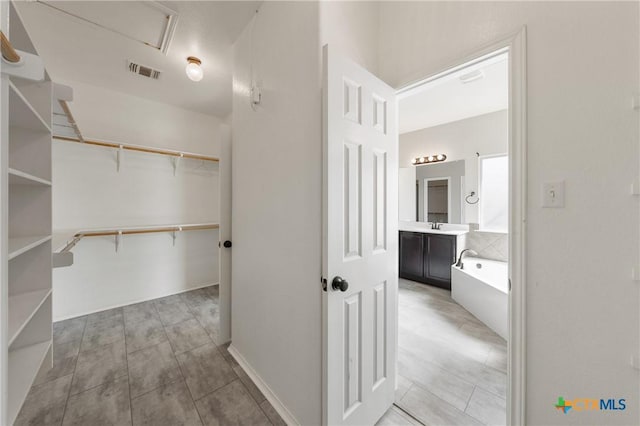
x=323, y=280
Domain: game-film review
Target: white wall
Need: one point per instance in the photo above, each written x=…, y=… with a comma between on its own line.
x=89, y=192
x=119, y=117
x=582, y=71
x=407, y=194
x=460, y=140
x=351, y=28
x=276, y=293
x=277, y=151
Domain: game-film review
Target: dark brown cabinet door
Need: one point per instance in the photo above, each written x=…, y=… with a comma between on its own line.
x=441, y=252
x=412, y=255
x=427, y=258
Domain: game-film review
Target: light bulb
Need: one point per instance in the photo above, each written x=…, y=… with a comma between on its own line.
x=194, y=71
x=430, y=159
x=440, y=157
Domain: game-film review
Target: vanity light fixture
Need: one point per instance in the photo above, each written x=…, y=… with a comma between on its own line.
x=194, y=70
x=429, y=159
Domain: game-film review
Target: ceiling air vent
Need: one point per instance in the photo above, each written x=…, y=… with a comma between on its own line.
x=144, y=70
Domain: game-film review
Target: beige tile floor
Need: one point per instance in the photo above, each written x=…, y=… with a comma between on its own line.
x=153, y=363
x=158, y=363
x=452, y=368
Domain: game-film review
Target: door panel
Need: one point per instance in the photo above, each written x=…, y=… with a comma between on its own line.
x=441, y=251
x=379, y=200
x=353, y=199
x=412, y=255
x=360, y=243
x=379, y=333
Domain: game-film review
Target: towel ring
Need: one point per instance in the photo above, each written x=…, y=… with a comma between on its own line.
x=473, y=194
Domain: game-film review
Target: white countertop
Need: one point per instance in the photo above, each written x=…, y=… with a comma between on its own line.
x=445, y=228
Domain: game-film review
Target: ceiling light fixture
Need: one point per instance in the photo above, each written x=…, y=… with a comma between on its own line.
x=194, y=70
x=472, y=76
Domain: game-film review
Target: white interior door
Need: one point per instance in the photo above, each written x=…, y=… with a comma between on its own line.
x=225, y=234
x=360, y=253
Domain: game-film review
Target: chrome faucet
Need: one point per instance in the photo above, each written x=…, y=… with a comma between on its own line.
x=459, y=263
x=435, y=225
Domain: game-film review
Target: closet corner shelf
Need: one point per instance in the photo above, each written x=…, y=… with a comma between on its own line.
x=17, y=177
x=24, y=115
x=22, y=307
x=24, y=364
x=61, y=238
x=20, y=245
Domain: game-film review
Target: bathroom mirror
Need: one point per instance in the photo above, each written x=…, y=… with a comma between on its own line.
x=447, y=125
x=436, y=200
x=438, y=192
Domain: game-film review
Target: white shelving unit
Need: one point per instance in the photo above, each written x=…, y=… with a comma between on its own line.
x=25, y=225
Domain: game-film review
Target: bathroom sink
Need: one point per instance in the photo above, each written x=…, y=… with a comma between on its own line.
x=445, y=229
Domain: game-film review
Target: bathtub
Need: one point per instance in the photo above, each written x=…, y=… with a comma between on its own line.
x=483, y=291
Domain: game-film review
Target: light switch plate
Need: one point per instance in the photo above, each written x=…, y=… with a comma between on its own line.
x=553, y=194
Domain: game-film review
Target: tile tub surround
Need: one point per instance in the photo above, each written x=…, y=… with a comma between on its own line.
x=155, y=362
x=452, y=368
x=488, y=245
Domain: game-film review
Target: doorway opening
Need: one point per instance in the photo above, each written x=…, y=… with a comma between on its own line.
x=456, y=187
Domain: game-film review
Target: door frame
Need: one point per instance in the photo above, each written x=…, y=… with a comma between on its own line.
x=425, y=197
x=225, y=233
x=516, y=44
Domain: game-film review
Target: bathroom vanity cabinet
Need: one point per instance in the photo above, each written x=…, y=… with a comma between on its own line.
x=427, y=257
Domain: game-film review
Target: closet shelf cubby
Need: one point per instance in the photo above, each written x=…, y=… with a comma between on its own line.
x=26, y=93
x=20, y=245
x=22, y=308
x=17, y=177
x=22, y=114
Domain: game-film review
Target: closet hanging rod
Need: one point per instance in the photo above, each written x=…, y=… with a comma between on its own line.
x=8, y=52
x=139, y=148
x=131, y=231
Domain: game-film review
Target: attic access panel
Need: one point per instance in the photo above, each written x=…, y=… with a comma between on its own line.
x=147, y=22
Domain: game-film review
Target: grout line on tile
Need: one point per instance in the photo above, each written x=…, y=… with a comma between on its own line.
x=73, y=375
x=265, y=413
x=409, y=414
x=126, y=354
x=469, y=400
x=157, y=387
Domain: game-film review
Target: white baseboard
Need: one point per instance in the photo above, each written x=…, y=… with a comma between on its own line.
x=286, y=415
x=66, y=317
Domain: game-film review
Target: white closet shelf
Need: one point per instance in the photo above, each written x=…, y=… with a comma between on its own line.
x=20, y=245
x=22, y=114
x=17, y=177
x=24, y=364
x=22, y=307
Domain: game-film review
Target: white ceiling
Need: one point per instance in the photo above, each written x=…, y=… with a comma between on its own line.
x=75, y=50
x=448, y=99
